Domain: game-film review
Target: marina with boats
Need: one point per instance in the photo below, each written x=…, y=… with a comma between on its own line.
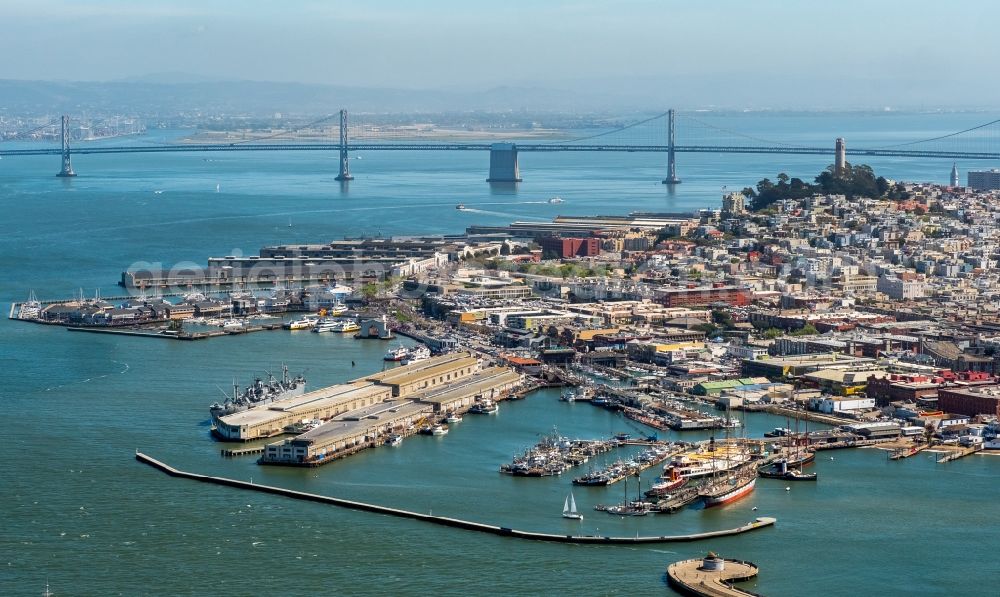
x=555, y=454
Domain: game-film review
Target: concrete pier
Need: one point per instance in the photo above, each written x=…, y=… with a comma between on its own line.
x=759, y=523
x=503, y=163
x=711, y=576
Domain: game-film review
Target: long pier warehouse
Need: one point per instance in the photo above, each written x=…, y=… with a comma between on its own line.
x=359, y=412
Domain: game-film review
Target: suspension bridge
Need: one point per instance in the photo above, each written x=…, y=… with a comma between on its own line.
x=656, y=134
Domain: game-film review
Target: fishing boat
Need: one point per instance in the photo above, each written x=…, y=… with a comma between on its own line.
x=396, y=354
x=593, y=479
x=439, y=430
x=394, y=440
x=233, y=325
x=569, y=508
x=636, y=507
x=453, y=418
x=486, y=407
x=778, y=432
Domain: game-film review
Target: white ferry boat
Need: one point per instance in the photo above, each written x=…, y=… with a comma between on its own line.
x=706, y=461
x=345, y=325
x=304, y=323
x=396, y=354
x=418, y=353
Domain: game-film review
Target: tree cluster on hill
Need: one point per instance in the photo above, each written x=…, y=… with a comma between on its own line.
x=854, y=181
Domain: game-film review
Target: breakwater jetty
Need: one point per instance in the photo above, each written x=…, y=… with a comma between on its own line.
x=759, y=523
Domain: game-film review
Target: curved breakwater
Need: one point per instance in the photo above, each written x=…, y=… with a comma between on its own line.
x=468, y=525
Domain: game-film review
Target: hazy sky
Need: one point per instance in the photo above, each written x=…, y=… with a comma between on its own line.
x=783, y=52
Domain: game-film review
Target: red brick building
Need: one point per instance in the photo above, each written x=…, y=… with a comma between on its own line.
x=981, y=400
x=908, y=388
x=553, y=246
x=703, y=296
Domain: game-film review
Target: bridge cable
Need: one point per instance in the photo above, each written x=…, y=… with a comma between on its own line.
x=938, y=138
x=605, y=133
x=293, y=130
x=20, y=134
x=738, y=134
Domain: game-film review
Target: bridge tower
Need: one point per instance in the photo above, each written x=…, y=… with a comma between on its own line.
x=345, y=164
x=671, y=178
x=503, y=163
x=840, y=159
x=67, y=165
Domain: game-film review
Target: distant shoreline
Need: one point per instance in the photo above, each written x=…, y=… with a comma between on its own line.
x=411, y=133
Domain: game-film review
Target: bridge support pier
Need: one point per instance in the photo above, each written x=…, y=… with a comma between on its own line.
x=345, y=164
x=671, y=178
x=67, y=164
x=503, y=163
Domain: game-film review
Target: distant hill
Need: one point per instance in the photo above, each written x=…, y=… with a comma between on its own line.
x=172, y=94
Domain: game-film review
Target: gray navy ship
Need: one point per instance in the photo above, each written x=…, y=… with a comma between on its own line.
x=259, y=393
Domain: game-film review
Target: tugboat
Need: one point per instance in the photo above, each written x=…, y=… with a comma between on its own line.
x=663, y=487
x=780, y=470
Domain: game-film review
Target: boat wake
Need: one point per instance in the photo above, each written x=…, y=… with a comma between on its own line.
x=89, y=379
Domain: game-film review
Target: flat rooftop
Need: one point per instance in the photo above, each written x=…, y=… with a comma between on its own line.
x=474, y=384
x=305, y=402
x=356, y=422
x=422, y=369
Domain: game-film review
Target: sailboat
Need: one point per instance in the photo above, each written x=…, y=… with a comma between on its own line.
x=569, y=508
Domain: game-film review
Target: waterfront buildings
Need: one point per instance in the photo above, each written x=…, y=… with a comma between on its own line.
x=984, y=180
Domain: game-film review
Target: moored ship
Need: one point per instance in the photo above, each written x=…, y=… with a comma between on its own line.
x=258, y=393
x=417, y=353
x=396, y=354
x=725, y=494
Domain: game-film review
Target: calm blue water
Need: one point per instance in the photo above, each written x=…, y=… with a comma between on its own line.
x=80, y=513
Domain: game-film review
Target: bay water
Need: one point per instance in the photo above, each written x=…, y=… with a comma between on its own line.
x=79, y=513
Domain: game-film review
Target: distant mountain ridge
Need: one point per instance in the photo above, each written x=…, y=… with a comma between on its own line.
x=170, y=94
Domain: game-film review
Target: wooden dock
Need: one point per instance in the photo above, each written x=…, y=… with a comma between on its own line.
x=906, y=452
x=696, y=577
x=959, y=453
x=468, y=525
x=234, y=452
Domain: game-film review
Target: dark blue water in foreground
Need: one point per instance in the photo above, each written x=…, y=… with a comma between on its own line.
x=80, y=513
